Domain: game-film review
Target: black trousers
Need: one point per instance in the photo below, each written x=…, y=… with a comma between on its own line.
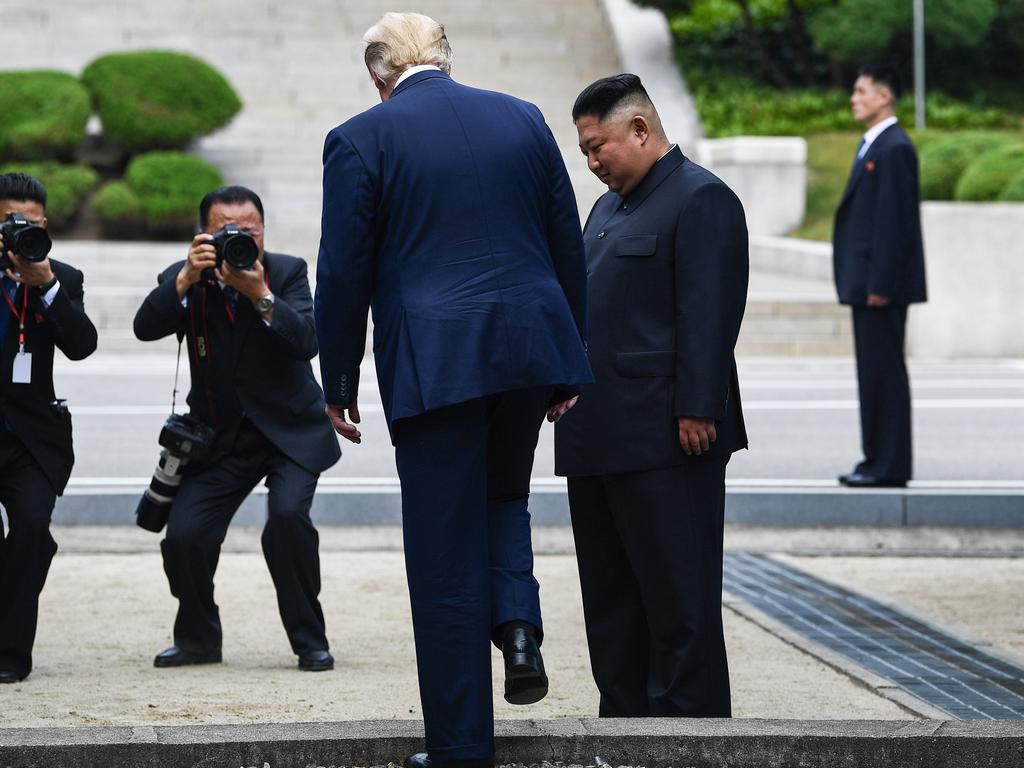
x=198, y=523
x=649, y=549
x=465, y=472
x=885, y=420
x=26, y=549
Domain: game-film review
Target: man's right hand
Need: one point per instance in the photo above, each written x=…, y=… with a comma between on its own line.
x=336, y=413
x=201, y=255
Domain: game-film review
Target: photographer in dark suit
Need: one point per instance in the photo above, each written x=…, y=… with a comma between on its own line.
x=878, y=256
x=42, y=309
x=250, y=338
x=646, y=447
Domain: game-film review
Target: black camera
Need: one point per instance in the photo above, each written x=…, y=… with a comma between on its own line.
x=234, y=246
x=184, y=439
x=24, y=238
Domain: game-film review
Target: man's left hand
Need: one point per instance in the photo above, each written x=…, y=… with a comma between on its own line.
x=248, y=282
x=34, y=273
x=877, y=300
x=696, y=435
x=556, y=412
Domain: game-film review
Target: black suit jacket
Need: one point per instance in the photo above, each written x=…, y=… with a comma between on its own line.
x=247, y=368
x=30, y=409
x=668, y=269
x=876, y=244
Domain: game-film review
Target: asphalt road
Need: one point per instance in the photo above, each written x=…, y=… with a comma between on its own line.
x=801, y=415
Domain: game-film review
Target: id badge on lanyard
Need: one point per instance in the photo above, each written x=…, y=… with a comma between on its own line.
x=21, y=371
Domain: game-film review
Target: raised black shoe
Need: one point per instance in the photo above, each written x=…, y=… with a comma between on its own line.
x=316, y=661
x=860, y=480
x=525, y=680
x=422, y=760
x=179, y=657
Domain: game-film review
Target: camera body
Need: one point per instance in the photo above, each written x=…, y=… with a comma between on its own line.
x=25, y=239
x=234, y=246
x=184, y=439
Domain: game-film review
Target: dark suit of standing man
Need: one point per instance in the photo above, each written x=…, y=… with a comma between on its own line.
x=250, y=338
x=879, y=270
x=646, y=447
x=36, y=455
x=450, y=211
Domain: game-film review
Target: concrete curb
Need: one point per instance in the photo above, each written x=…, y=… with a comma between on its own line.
x=777, y=507
x=649, y=742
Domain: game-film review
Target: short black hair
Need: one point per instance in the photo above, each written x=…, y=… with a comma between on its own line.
x=884, y=74
x=602, y=96
x=229, y=196
x=23, y=188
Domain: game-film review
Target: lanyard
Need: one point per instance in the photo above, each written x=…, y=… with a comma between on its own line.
x=21, y=317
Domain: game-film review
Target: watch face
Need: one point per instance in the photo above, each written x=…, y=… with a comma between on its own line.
x=265, y=303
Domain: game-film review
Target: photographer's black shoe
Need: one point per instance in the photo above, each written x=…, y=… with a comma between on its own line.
x=179, y=657
x=525, y=680
x=316, y=661
x=10, y=676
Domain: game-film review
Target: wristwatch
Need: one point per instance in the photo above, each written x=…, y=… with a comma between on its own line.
x=264, y=304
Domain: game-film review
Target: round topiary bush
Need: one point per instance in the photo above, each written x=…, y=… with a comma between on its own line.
x=44, y=114
x=162, y=190
x=158, y=99
x=66, y=188
x=1014, y=191
x=944, y=160
x=987, y=177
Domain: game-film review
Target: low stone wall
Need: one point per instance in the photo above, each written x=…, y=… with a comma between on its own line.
x=974, y=263
x=768, y=173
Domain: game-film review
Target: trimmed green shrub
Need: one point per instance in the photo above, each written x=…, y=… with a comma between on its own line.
x=117, y=206
x=66, y=188
x=944, y=160
x=44, y=114
x=987, y=177
x=158, y=99
x=1014, y=191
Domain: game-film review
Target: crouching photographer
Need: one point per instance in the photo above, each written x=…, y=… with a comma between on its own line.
x=255, y=412
x=42, y=309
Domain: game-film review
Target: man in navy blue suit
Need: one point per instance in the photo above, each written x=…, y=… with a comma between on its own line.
x=448, y=210
x=879, y=270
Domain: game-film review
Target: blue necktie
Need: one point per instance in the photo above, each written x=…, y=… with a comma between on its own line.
x=11, y=289
x=860, y=146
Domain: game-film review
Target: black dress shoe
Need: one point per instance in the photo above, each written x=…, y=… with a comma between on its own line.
x=10, y=676
x=860, y=480
x=422, y=760
x=525, y=681
x=179, y=657
x=316, y=661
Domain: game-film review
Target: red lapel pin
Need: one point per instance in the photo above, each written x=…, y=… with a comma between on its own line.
x=869, y=165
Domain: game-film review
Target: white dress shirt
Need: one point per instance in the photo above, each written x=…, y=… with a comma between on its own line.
x=413, y=70
x=873, y=132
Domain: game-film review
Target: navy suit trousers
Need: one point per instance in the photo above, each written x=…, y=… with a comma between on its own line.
x=465, y=472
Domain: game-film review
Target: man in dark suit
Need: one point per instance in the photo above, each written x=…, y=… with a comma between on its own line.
x=879, y=270
x=42, y=309
x=250, y=338
x=450, y=211
x=645, y=450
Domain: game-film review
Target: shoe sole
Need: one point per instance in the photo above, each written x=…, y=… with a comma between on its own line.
x=188, y=663
x=326, y=668
x=523, y=684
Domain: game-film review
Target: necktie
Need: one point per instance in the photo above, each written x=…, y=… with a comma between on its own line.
x=232, y=297
x=860, y=149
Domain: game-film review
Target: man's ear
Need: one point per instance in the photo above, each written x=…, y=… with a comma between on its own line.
x=639, y=128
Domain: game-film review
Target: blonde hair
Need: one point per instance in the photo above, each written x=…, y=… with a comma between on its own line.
x=402, y=40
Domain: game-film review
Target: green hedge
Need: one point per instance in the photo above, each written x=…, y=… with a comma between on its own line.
x=42, y=114
x=66, y=188
x=1014, y=191
x=988, y=175
x=161, y=192
x=944, y=160
x=158, y=99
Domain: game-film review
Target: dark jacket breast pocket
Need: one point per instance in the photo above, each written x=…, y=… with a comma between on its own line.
x=646, y=364
x=636, y=246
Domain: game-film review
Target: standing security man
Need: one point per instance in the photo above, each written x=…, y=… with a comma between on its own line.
x=449, y=209
x=646, y=447
x=42, y=308
x=879, y=270
x=250, y=339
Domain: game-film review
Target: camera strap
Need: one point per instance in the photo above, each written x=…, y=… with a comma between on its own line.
x=20, y=317
x=177, y=368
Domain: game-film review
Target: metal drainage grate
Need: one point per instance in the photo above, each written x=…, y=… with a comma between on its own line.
x=924, y=661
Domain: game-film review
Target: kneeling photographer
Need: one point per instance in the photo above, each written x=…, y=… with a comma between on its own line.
x=42, y=309
x=255, y=412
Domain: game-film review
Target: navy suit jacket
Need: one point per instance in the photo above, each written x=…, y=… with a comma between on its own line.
x=669, y=267
x=450, y=211
x=877, y=245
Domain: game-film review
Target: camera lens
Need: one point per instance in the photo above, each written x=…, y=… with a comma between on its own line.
x=32, y=244
x=241, y=251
